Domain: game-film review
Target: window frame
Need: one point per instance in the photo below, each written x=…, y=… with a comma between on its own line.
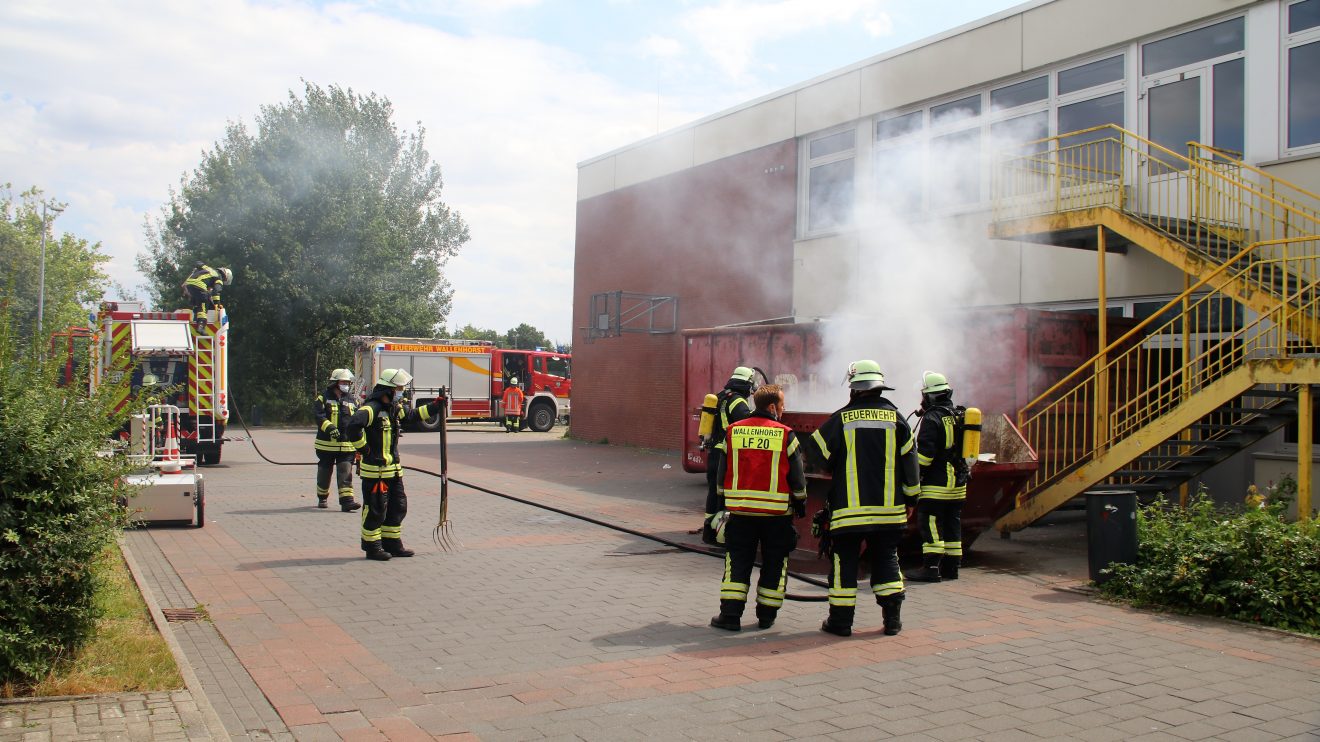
x=807, y=162
x=1288, y=42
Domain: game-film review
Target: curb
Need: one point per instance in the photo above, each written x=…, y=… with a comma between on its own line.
x=190, y=681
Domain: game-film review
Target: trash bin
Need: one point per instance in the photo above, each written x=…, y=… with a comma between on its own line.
x=254, y=415
x=1111, y=531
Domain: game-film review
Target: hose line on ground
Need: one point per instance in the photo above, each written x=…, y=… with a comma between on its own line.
x=594, y=521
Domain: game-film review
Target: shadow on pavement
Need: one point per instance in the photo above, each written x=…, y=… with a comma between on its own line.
x=318, y=562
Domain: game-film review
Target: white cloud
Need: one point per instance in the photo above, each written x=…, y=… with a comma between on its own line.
x=107, y=107
x=660, y=47
x=730, y=30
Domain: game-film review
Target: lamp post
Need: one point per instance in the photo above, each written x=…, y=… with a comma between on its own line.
x=41, y=290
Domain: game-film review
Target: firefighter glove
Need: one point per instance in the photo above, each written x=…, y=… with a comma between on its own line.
x=434, y=407
x=820, y=523
x=799, y=507
x=334, y=434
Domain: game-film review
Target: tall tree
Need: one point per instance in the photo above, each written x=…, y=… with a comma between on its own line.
x=526, y=337
x=331, y=220
x=472, y=332
x=75, y=279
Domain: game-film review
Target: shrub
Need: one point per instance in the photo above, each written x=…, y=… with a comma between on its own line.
x=1246, y=564
x=58, y=507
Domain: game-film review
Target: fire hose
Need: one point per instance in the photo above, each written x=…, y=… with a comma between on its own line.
x=579, y=516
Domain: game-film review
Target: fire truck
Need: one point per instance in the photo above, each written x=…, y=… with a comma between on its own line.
x=190, y=359
x=474, y=372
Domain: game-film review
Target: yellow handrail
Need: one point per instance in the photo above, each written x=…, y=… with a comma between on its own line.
x=1144, y=379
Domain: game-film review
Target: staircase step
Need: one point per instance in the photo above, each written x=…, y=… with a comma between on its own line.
x=1272, y=393
x=1190, y=458
x=1222, y=426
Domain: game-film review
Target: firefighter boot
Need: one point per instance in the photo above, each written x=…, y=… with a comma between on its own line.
x=765, y=616
x=840, y=621
x=730, y=618
x=394, y=547
x=930, y=571
x=321, y=501
x=347, y=504
x=949, y=567
x=375, y=552
x=890, y=606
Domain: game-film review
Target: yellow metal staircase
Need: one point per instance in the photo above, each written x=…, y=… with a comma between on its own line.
x=1228, y=361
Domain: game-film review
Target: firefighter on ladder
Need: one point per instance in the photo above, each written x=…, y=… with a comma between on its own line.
x=868, y=448
x=333, y=409
x=764, y=488
x=513, y=405
x=202, y=287
x=944, y=476
x=730, y=408
x=374, y=431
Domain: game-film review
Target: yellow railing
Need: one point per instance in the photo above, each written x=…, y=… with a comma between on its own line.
x=1211, y=207
x=1230, y=163
x=1196, y=339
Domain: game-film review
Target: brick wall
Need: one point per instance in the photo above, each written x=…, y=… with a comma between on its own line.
x=720, y=238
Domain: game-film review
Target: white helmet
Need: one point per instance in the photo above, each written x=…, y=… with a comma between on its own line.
x=933, y=382
x=513, y=381
x=395, y=377
x=742, y=373
x=865, y=375
x=227, y=276
x=341, y=374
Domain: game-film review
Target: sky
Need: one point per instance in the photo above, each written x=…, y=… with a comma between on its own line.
x=107, y=106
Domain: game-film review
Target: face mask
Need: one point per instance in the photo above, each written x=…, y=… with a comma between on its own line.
x=343, y=388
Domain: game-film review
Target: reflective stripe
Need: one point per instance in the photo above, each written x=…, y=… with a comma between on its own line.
x=730, y=590
x=888, y=588
x=820, y=443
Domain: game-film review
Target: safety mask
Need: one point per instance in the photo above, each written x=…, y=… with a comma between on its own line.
x=343, y=387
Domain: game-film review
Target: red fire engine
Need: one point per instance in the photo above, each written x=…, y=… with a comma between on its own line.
x=474, y=372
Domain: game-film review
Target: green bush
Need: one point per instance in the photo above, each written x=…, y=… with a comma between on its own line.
x=58, y=507
x=1247, y=564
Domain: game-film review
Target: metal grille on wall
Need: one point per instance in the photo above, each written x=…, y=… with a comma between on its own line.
x=616, y=312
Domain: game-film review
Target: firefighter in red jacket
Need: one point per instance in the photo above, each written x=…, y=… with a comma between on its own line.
x=513, y=404
x=869, y=450
x=374, y=431
x=763, y=487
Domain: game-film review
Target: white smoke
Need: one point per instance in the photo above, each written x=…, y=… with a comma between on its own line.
x=921, y=255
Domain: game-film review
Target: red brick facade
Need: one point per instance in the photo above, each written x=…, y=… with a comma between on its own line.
x=719, y=237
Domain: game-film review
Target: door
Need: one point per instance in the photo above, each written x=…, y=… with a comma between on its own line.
x=1173, y=114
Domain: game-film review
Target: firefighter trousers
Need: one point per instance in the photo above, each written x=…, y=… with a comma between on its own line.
x=338, y=463
x=512, y=423
x=200, y=300
x=845, y=556
x=941, y=528
x=384, y=506
x=776, y=538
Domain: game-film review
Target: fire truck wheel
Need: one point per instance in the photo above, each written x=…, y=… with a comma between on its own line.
x=541, y=417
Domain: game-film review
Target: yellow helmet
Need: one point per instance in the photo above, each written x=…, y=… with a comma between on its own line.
x=395, y=377
x=742, y=373
x=341, y=374
x=933, y=382
x=865, y=375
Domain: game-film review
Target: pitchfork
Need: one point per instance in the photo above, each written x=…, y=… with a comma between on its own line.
x=443, y=535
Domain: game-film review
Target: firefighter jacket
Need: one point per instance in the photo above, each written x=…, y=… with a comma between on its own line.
x=513, y=401
x=731, y=408
x=374, y=431
x=762, y=467
x=207, y=279
x=869, y=450
x=939, y=453
x=332, y=412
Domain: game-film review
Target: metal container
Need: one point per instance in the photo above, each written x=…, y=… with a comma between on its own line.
x=1111, y=531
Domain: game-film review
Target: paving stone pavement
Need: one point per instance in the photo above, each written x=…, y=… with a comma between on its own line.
x=542, y=626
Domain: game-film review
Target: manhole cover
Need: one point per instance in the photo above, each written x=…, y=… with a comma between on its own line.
x=174, y=615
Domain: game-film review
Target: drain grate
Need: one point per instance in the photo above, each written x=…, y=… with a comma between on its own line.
x=174, y=615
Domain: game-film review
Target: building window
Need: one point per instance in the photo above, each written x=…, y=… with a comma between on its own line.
x=963, y=108
x=1020, y=94
x=1187, y=48
x=898, y=126
x=1091, y=74
x=899, y=162
x=1228, y=119
x=956, y=176
x=830, y=173
x=1302, y=127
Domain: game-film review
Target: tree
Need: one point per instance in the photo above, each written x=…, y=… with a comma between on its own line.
x=330, y=219
x=75, y=279
x=471, y=332
x=526, y=337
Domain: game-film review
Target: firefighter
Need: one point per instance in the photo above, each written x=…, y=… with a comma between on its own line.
x=944, y=475
x=333, y=409
x=202, y=287
x=868, y=448
x=513, y=404
x=374, y=431
x=763, y=486
x=731, y=407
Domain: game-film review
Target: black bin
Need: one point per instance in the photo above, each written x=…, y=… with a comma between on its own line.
x=1111, y=530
